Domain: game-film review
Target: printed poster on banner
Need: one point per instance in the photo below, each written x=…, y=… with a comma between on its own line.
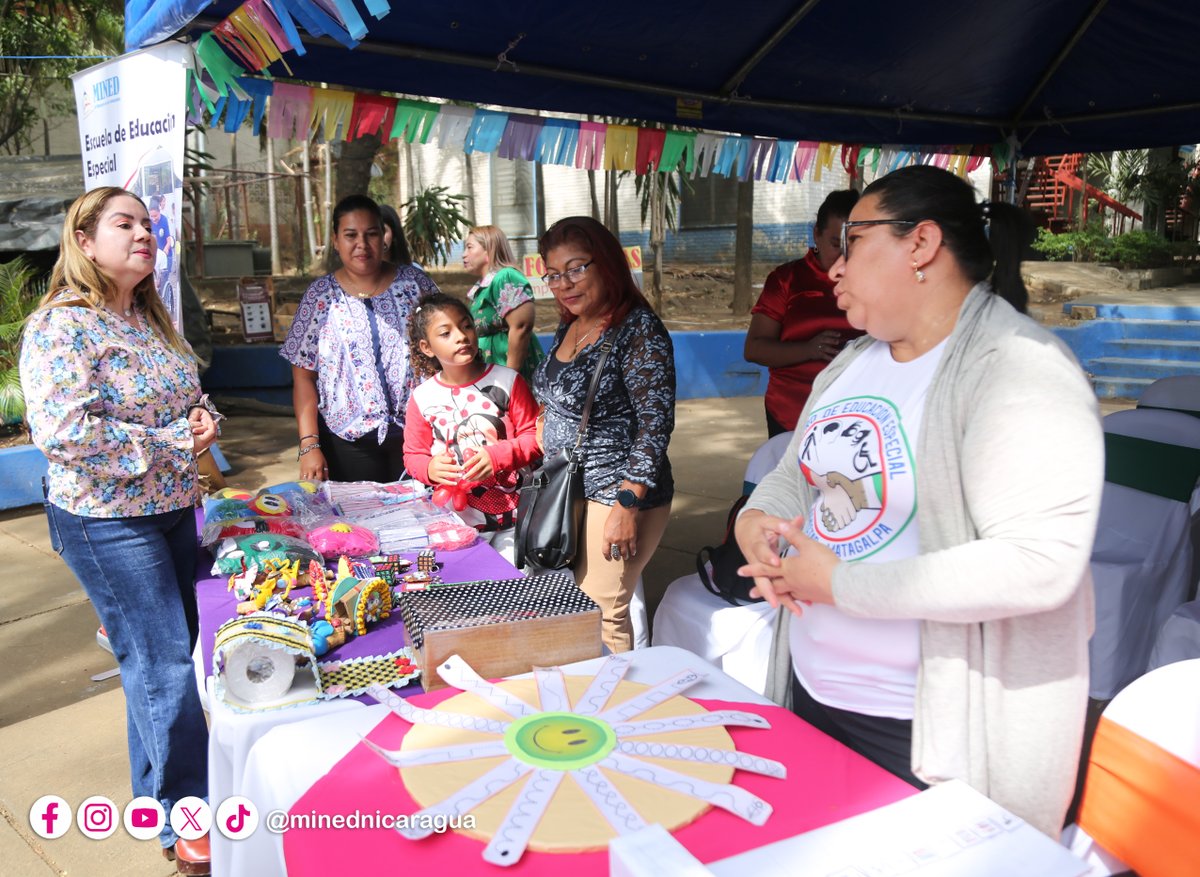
x=131, y=130
x=533, y=268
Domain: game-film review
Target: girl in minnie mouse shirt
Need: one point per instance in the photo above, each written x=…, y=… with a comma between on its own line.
x=470, y=427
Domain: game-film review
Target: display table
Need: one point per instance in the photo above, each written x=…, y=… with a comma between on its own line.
x=233, y=735
x=318, y=766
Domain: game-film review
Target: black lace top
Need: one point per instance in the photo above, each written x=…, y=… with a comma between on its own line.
x=633, y=415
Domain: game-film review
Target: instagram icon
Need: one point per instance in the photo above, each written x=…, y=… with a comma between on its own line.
x=96, y=817
x=50, y=817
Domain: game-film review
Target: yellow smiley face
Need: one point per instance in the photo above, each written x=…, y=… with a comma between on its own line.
x=559, y=740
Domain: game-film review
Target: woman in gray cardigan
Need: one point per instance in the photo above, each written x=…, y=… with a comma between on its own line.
x=937, y=507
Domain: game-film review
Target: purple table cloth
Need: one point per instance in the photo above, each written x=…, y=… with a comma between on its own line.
x=217, y=603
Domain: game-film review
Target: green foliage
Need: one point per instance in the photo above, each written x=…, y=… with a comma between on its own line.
x=433, y=223
x=17, y=300
x=1134, y=249
x=30, y=88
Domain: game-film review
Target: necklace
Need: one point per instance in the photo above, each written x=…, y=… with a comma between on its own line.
x=579, y=339
x=358, y=293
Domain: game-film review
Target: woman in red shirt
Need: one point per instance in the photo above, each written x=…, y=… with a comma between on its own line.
x=796, y=327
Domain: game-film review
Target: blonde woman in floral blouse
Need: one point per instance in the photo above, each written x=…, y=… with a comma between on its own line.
x=113, y=401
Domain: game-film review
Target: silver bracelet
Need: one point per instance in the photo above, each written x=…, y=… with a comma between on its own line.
x=315, y=446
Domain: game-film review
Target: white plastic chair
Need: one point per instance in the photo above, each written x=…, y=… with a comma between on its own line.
x=1142, y=559
x=737, y=639
x=1176, y=393
x=1179, y=639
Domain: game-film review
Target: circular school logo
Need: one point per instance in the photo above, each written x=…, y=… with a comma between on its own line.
x=856, y=454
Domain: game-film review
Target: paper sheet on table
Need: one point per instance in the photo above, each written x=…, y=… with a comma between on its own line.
x=946, y=831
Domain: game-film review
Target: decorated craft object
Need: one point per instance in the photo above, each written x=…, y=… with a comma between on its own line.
x=562, y=763
x=390, y=566
x=343, y=538
x=261, y=550
x=264, y=661
x=357, y=602
x=285, y=526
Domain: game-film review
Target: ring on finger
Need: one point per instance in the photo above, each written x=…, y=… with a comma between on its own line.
x=614, y=551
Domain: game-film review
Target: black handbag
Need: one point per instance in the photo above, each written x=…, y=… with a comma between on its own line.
x=725, y=559
x=551, y=502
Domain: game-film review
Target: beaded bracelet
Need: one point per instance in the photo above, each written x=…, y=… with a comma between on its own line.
x=313, y=447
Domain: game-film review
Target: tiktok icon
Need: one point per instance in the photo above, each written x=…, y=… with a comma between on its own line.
x=50, y=817
x=237, y=817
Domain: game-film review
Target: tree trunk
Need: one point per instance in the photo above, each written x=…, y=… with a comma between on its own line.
x=469, y=187
x=595, y=199
x=657, y=236
x=612, y=219
x=354, y=166
x=743, y=253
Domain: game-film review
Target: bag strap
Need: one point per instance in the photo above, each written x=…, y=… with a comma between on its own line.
x=605, y=349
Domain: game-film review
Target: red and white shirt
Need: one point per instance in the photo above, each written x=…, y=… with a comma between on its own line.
x=495, y=414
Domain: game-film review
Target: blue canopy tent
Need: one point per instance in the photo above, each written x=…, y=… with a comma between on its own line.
x=1058, y=75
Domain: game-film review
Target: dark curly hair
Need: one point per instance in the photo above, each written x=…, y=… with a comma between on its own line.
x=418, y=326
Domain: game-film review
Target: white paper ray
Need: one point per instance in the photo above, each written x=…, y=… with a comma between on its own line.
x=465, y=799
x=735, y=718
x=608, y=800
x=419, y=716
x=652, y=697
x=552, y=690
x=601, y=688
x=704, y=755
x=512, y=837
x=439, y=754
x=457, y=672
x=728, y=797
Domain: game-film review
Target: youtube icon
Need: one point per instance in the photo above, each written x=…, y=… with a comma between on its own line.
x=144, y=818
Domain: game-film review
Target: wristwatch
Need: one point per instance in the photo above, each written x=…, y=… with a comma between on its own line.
x=627, y=499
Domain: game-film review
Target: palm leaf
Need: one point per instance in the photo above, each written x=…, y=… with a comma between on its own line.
x=12, y=398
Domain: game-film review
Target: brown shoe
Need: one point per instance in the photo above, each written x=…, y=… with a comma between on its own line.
x=193, y=856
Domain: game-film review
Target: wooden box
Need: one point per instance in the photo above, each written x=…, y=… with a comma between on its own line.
x=503, y=627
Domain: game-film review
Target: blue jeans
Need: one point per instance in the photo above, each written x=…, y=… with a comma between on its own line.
x=138, y=573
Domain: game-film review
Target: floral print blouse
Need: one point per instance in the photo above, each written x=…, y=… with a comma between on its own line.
x=107, y=404
x=331, y=335
x=492, y=299
x=632, y=416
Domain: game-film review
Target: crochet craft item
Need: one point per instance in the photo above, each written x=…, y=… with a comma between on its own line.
x=564, y=764
x=502, y=627
x=448, y=536
x=357, y=602
x=343, y=538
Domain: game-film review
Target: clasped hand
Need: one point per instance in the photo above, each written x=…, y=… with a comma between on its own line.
x=803, y=577
x=444, y=469
x=204, y=429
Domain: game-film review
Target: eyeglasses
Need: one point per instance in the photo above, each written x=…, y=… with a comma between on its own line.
x=571, y=275
x=860, y=223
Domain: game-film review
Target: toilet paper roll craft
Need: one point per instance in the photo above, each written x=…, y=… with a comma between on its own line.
x=233, y=555
x=265, y=661
x=255, y=663
x=358, y=602
x=343, y=538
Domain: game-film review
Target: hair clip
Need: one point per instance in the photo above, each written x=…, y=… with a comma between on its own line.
x=985, y=210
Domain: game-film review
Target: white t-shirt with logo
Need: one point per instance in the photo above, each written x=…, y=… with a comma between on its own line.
x=857, y=450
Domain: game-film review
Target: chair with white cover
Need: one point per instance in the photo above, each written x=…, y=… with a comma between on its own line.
x=736, y=639
x=1142, y=558
x=1143, y=781
x=1175, y=393
x=1179, y=639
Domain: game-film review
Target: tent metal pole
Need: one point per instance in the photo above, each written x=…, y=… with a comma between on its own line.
x=753, y=61
x=489, y=64
x=1081, y=118
x=1066, y=50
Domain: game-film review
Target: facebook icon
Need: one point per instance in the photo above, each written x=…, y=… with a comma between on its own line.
x=50, y=817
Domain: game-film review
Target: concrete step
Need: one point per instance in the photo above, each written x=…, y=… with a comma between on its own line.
x=1109, y=310
x=1170, y=330
x=1132, y=367
x=1154, y=348
x=1116, y=388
